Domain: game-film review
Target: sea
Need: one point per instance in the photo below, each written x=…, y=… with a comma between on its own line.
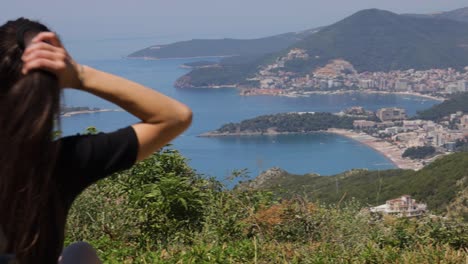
x=321, y=153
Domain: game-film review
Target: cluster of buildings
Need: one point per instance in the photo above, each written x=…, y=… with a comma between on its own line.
x=403, y=133
x=340, y=74
x=403, y=206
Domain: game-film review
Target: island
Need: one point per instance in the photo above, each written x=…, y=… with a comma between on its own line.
x=68, y=111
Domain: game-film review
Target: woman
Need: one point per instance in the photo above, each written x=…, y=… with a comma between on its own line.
x=39, y=177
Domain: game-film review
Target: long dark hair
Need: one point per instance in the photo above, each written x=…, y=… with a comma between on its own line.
x=29, y=105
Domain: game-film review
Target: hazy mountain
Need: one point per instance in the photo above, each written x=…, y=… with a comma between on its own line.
x=372, y=40
x=458, y=15
x=376, y=40
x=222, y=47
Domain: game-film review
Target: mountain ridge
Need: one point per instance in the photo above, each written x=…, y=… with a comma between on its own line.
x=460, y=14
x=372, y=40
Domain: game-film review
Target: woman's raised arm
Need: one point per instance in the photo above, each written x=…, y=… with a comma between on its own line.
x=163, y=118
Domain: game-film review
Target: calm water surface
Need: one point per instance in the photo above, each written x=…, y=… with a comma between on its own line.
x=321, y=153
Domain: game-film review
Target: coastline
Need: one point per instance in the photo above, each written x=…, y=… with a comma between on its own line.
x=244, y=134
x=277, y=92
x=306, y=94
x=179, y=58
x=435, y=98
x=70, y=114
x=390, y=151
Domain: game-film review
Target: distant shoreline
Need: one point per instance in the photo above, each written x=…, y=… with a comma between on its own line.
x=309, y=93
x=179, y=58
x=435, y=98
x=72, y=113
x=390, y=151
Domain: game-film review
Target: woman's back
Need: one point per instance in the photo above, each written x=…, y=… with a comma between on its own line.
x=40, y=177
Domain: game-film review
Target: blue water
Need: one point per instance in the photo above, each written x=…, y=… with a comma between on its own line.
x=320, y=153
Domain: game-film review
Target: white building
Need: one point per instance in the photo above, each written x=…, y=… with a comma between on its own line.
x=401, y=207
x=391, y=114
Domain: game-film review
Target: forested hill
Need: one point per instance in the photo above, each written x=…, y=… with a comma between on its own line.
x=286, y=123
x=438, y=184
x=377, y=40
x=372, y=40
x=221, y=47
x=457, y=103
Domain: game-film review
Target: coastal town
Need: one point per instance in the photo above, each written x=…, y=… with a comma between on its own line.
x=393, y=133
x=339, y=76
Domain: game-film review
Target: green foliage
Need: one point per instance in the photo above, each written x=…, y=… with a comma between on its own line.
x=458, y=102
x=161, y=211
x=91, y=130
x=419, y=152
x=290, y=123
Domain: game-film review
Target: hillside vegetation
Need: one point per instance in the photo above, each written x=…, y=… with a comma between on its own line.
x=161, y=211
x=458, y=102
x=436, y=184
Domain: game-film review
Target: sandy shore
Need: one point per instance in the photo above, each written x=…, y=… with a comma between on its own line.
x=441, y=99
x=69, y=114
x=389, y=150
x=306, y=94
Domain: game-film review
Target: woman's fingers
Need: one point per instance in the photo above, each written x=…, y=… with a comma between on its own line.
x=49, y=37
x=44, y=54
x=44, y=64
x=42, y=46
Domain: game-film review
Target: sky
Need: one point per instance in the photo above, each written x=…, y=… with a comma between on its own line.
x=113, y=28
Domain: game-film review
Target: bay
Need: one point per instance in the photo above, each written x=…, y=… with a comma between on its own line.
x=321, y=153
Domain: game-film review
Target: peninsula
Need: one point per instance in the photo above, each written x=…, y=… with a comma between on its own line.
x=227, y=47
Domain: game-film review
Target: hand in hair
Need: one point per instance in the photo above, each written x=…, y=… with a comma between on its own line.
x=46, y=52
x=162, y=118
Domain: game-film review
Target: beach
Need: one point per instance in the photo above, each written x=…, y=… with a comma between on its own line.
x=278, y=92
x=387, y=149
